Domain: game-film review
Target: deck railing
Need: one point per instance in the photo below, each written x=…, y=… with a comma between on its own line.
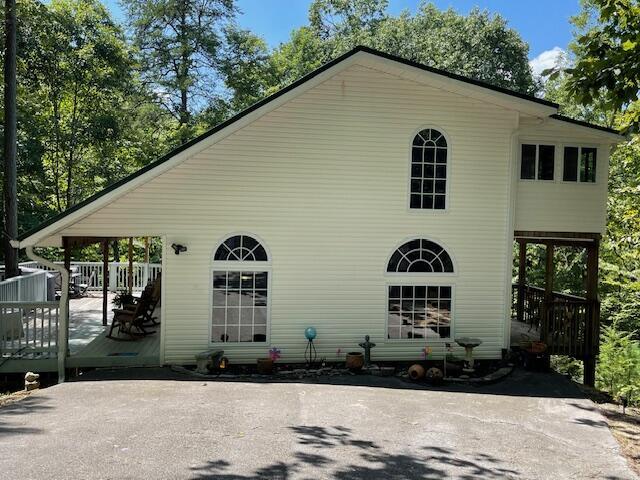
x=91, y=273
x=28, y=329
x=568, y=324
x=31, y=287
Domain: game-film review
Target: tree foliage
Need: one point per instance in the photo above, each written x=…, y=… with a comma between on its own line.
x=608, y=62
x=180, y=44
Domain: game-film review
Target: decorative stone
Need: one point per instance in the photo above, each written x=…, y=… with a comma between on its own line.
x=31, y=381
x=434, y=376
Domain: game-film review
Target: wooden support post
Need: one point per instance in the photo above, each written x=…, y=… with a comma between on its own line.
x=130, y=276
x=522, y=279
x=105, y=279
x=548, y=291
x=66, y=245
x=146, y=260
x=592, y=333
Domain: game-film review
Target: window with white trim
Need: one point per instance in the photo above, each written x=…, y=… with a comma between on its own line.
x=537, y=162
x=428, y=171
x=419, y=309
x=240, y=292
x=579, y=164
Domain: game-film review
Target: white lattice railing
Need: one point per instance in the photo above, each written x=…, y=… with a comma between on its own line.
x=29, y=329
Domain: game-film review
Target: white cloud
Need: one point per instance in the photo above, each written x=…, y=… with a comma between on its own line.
x=547, y=59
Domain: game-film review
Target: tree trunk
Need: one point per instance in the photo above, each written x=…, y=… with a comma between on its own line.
x=10, y=145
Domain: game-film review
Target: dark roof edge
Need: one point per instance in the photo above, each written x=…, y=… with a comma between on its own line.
x=455, y=76
x=261, y=103
x=557, y=116
x=184, y=146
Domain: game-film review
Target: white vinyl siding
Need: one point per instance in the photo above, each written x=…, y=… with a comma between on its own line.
x=559, y=206
x=322, y=180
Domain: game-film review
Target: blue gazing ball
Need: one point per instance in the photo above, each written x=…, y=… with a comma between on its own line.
x=310, y=333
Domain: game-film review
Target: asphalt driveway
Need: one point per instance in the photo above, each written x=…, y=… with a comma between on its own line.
x=195, y=429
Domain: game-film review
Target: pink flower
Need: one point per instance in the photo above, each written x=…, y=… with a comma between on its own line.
x=274, y=354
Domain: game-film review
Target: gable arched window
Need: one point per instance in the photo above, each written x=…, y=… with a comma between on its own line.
x=420, y=300
x=240, y=299
x=429, y=152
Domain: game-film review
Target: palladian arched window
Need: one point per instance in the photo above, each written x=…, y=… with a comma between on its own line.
x=420, y=256
x=429, y=170
x=240, y=300
x=420, y=306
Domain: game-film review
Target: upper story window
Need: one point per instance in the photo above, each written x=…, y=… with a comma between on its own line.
x=240, y=291
x=429, y=170
x=579, y=164
x=537, y=162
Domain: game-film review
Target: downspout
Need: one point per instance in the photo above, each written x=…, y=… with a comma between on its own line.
x=63, y=318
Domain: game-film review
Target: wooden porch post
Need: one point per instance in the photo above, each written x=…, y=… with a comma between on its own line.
x=593, y=326
x=67, y=254
x=130, y=276
x=548, y=290
x=105, y=279
x=522, y=280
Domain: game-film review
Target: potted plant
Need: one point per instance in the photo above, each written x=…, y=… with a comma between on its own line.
x=265, y=365
x=354, y=361
x=122, y=298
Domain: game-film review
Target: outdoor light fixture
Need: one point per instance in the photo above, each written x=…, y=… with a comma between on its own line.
x=178, y=248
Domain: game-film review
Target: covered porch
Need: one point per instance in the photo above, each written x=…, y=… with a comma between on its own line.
x=568, y=324
x=33, y=327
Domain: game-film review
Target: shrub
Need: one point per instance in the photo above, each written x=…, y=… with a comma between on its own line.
x=618, y=370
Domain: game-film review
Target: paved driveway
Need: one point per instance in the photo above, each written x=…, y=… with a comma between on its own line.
x=195, y=429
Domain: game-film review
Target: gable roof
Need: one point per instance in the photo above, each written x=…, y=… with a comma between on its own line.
x=74, y=213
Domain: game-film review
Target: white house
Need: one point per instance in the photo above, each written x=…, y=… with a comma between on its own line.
x=375, y=196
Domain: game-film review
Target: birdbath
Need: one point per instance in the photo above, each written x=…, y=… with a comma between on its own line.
x=469, y=344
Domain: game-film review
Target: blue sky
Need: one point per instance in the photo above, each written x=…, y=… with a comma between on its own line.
x=544, y=24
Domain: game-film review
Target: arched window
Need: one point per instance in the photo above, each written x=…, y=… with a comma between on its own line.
x=429, y=170
x=420, y=309
x=240, y=300
x=420, y=256
x=241, y=248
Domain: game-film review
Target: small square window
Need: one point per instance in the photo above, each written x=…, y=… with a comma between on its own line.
x=441, y=171
x=441, y=186
x=439, y=202
x=429, y=155
x=546, y=161
x=416, y=185
x=416, y=170
x=528, y=162
x=427, y=201
x=570, y=169
x=441, y=155
x=416, y=201
x=588, y=165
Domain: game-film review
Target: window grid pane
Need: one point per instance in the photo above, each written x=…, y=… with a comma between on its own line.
x=422, y=256
x=546, y=161
x=528, y=162
x=428, y=171
x=570, y=169
x=239, y=306
x=419, y=312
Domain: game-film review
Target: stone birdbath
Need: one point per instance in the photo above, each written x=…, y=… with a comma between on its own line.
x=469, y=344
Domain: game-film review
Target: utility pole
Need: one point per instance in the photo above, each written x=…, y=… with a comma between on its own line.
x=10, y=142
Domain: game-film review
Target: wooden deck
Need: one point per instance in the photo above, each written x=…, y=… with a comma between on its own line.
x=88, y=344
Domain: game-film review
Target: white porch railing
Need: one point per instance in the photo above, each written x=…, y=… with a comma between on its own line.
x=28, y=329
x=91, y=273
x=31, y=287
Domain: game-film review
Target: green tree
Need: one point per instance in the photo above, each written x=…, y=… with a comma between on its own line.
x=180, y=44
x=618, y=369
x=608, y=61
x=478, y=45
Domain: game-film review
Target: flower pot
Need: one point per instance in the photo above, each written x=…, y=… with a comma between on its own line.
x=416, y=372
x=265, y=366
x=354, y=361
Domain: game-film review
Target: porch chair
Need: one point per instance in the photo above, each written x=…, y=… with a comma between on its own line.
x=130, y=321
x=151, y=297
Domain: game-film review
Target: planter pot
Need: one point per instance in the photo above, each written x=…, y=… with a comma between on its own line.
x=265, y=366
x=354, y=361
x=416, y=372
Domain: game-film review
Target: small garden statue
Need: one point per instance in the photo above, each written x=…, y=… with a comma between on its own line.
x=367, y=346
